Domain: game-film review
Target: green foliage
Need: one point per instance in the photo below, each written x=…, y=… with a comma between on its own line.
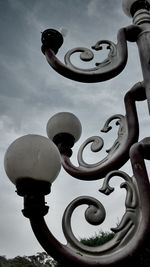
x=142, y=258
x=97, y=240
x=19, y=262
x=39, y=260
x=3, y=261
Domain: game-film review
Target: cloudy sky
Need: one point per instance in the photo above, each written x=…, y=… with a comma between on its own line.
x=31, y=92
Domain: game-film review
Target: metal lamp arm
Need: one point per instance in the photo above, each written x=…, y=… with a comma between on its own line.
x=119, y=153
x=67, y=255
x=105, y=70
x=109, y=68
x=129, y=234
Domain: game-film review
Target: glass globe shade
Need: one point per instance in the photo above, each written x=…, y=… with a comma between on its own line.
x=64, y=122
x=32, y=156
x=127, y=4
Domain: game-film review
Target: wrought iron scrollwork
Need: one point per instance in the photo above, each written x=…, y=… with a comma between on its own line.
x=134, y=226
x=118, y=154
x=95, y=214
x=105, y=70
x=127, y=225
x=98, y=143
x=109, y=68
x=128, y=234
x=87, y=55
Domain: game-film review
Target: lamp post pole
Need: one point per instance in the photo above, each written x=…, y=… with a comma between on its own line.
x=33, y=162
x=142, y=19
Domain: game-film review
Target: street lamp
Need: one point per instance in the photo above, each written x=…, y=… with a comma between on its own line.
x=32, y=162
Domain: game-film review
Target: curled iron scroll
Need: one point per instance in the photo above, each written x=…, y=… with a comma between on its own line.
x=118, y=154
x=87, y=55
x=127, y=225
x=97, y=142
x=109, y=68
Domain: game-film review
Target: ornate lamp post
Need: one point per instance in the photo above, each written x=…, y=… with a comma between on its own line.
x=32, y=162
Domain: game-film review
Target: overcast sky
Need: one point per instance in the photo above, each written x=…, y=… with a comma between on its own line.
x=31, y=92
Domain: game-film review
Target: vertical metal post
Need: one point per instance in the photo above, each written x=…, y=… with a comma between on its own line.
x=142, y=19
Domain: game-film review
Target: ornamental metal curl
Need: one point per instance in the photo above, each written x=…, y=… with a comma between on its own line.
x=87, y=55
x=105, y=70
x=109, y=68
x=118, y=154
x=97, y=142
x=96, y=216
